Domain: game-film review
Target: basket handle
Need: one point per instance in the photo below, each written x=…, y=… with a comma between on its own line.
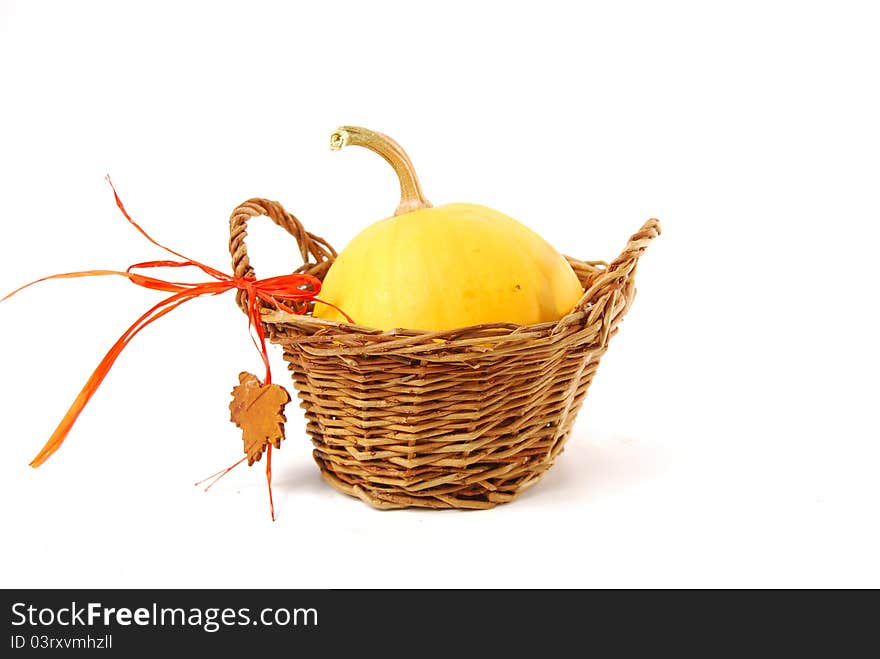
x=621, y=270
x=317, y=254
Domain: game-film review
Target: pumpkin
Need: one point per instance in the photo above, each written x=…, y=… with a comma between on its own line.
x=444, y=267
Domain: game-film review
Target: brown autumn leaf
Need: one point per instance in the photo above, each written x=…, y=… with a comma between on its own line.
x=258, y=409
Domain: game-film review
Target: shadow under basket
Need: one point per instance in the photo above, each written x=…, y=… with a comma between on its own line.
x=463, y=418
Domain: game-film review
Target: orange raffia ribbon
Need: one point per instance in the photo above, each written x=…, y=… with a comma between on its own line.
x=269, y=291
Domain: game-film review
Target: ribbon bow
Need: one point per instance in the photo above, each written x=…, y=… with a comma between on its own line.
x=272, y=291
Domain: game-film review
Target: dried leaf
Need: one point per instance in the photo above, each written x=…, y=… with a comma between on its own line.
x=258, y=409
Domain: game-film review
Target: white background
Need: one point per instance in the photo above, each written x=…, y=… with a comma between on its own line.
x=730, y=437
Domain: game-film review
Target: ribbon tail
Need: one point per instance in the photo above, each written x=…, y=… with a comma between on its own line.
x=67, y=275
x=329, y=304
x=257, y=323
x=137, y=226
x=165, y=306
x=269, y=480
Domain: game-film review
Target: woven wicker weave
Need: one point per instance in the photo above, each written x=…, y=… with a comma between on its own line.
x=463, y=418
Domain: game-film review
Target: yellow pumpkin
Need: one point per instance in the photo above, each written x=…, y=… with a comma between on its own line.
x=438, y=268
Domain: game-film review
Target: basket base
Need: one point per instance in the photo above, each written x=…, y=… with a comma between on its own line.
x=391, y=500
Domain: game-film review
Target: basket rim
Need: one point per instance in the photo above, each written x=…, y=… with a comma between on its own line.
x=494, y=330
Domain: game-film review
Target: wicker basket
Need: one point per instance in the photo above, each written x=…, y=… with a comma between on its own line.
x=463, y=418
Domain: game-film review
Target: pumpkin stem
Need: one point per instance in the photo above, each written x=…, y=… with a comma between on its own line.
x=411, y=195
